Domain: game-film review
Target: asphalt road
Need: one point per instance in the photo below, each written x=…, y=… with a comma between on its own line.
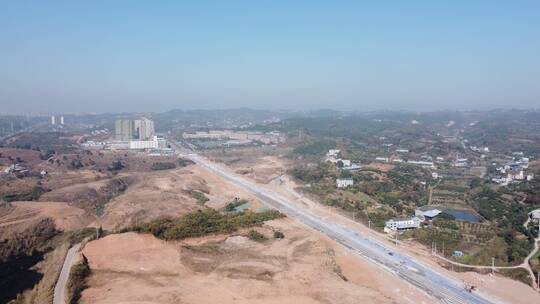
x=441, y=287
x=60, y=287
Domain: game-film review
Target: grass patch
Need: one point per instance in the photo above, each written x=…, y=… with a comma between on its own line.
x=200, y=197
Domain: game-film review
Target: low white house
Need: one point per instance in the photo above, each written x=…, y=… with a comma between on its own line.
x=344, y=182
x=400, y=224
x=333, y=153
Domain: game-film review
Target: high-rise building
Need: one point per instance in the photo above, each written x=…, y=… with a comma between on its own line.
x=53, y=120
x=124, y=129
x=144, y=128
x=62, y=120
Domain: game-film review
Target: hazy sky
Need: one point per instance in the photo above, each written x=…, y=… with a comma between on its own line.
x=107, y=56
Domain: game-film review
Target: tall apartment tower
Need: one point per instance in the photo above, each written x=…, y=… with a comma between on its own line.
x=53, y=120
x=62, y=120
x=144, y=128
x=124, y=129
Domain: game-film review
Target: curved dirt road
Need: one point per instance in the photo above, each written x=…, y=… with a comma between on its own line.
x=60, y=287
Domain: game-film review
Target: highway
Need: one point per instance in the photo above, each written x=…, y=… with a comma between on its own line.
x=443, y=288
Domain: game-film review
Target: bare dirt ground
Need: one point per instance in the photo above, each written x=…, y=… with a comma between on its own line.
x=301, y=268
x=168, y=194
x=258, y=163
x=65, y=217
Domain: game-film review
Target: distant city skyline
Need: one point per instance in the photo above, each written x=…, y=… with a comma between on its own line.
x=126, y=56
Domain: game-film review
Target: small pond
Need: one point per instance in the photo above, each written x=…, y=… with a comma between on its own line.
x=463, y=215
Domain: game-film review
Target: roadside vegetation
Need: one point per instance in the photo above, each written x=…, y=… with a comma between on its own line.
x=230, y=207
x=204, y=222
x=77, y=281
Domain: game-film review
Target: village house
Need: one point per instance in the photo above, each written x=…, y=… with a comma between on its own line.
x=344, y=182
x=401, y=224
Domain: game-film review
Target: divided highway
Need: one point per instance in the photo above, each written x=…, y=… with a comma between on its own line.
x=445, y=289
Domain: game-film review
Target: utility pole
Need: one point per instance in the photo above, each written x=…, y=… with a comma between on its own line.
x=443, y=249
x=538, y=280
x=492, y=265
x=369, y=224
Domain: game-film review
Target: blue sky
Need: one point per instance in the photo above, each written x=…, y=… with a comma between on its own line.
x=107, y=56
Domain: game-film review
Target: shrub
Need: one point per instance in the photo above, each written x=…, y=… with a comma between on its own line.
x=256, y=236
x=278, y=235
x=116, y=166
x=232, y=205
x=184, y=162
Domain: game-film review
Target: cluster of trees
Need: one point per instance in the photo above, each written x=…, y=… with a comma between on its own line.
x=116, y=165
x=232, y=205
x=32, y=195
x=76, y=164
x=315, y=148
x=163, y=166
x=47, y=154
x=509, y=218
x=205, y=222
x=311, y=174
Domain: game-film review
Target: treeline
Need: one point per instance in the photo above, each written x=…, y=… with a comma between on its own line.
x=315, y=148
x=163, y=166
x=204, y=222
